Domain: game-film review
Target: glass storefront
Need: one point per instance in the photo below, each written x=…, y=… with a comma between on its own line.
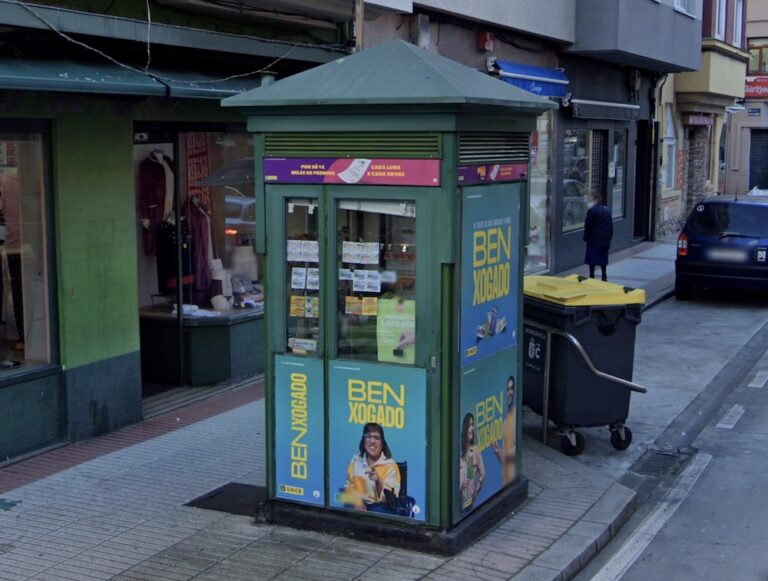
x=617, y=172
x=537, y=251
x=210, y=254
x=577, y=161
x=24, y=293
x=220, y=270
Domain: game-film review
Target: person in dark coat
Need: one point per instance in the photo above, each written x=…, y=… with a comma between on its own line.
x=598, y=232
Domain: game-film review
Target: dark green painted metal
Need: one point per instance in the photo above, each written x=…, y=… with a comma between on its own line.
x=410, y=145
x=446, y=395
x=260, y=243
x=276, y=308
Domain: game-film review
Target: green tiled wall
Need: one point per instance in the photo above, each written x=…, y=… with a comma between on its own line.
x=95, y=236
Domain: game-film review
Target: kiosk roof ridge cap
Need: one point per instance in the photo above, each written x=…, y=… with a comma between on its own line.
x=396, y=72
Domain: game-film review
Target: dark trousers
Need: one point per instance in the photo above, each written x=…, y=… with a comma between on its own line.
x=14, y=273
x=603, y=271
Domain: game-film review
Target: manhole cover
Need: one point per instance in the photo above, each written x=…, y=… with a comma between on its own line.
x=232, y=498
x=658, y=463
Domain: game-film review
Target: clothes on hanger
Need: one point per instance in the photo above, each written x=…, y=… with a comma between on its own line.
x=154, y=195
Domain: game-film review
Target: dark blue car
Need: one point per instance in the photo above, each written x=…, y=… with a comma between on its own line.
x=724, y=244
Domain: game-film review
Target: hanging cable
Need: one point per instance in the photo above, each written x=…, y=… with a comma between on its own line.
x=146, y=71
x=149, y=45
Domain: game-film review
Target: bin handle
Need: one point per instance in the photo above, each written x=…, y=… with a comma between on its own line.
x=575, y=342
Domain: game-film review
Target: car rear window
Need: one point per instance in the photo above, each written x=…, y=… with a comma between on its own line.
x=720, y=218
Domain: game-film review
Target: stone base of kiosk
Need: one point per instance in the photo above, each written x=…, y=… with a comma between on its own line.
x=397, y=532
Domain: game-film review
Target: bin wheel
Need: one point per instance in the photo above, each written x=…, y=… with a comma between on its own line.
x=619, y=443
x=569, y=448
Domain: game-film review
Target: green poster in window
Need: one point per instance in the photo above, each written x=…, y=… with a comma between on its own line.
x=396, y=330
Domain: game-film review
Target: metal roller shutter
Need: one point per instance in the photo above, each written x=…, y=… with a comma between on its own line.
x=758, y=159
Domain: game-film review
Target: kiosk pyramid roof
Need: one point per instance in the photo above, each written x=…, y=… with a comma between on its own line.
x=394, y=73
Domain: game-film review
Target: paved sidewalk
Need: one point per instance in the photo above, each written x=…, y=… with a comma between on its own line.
x=113, y=507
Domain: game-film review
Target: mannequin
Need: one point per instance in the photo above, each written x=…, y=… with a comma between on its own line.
x=12, y=212
x=154, y=195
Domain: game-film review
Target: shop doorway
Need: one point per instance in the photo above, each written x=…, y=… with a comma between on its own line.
x=642, y=180
x=758, y=153
x=200, y=296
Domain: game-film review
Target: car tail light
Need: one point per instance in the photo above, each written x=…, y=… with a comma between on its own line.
x=230, y=231
x=682, y=244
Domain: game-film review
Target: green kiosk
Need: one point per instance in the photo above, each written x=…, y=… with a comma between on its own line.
x=391, y=206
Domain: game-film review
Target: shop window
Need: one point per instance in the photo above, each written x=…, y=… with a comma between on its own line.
x=376, y=259
x=758, y=56
x=617, y=174
x=537, y=251
x=302, y=260
x=220, y=269
x=24, y=316
x=579, y=176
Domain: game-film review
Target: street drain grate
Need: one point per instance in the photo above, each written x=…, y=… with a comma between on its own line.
x=658, y=463
x=232, y=498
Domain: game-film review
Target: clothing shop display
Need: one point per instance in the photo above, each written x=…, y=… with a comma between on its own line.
x=155, y=195
x=12, y=213
x=167, y=259
x=242, y=260
x=203, y=248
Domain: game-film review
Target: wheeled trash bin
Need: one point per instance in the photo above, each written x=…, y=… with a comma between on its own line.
x=579, y=347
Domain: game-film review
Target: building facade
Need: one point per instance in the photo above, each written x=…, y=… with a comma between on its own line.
x=748, y=134
x=694, y=108
x=125, y=186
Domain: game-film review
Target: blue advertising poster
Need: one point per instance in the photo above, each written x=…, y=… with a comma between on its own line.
x=377, y=456
x=490, y=259
x=299, y=430
x=488, y=432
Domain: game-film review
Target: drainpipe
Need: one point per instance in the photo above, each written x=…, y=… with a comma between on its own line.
x=655, y=97
x=359, y=21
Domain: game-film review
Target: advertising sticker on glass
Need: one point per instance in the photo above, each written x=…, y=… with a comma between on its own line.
x=377, y=438
x=490, y=265
x=299, y=431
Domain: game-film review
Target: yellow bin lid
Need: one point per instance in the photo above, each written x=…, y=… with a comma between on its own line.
x=575, y=291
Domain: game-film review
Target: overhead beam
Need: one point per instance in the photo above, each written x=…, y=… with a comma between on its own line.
x=76, y=22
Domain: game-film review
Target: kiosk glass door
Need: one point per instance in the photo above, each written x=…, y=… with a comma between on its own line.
x=376, y=261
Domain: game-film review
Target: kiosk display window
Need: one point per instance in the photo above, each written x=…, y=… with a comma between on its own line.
x=376, y=265
x=302, y=260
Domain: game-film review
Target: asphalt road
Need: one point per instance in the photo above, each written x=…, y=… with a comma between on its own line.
x=700, y=462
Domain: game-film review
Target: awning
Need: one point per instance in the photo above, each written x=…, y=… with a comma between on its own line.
x=538, y=80
x=69, y=76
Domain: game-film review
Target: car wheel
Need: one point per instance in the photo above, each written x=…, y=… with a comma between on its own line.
x=683, y=290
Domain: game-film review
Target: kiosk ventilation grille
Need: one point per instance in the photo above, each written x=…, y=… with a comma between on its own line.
x=493, y=147
x=374, y=145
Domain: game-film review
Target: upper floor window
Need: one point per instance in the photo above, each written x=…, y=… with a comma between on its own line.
x=688, y=6
x=758, y=56
x=720, y=16
x=738, y=23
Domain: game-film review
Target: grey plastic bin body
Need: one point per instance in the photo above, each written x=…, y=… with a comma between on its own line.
x=577, y=397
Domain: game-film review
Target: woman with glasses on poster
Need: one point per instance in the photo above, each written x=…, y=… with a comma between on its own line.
x=372, y=472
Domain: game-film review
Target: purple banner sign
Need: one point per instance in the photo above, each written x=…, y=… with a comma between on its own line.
x=470, y=175
x=361, y=171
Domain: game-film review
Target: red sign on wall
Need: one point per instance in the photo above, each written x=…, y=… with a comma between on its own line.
x=756, y=88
